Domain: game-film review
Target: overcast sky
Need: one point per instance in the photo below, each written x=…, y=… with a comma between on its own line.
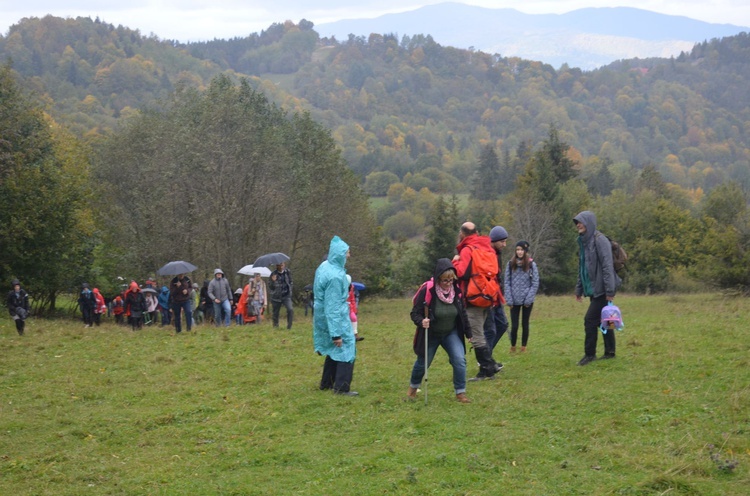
x=198, y=20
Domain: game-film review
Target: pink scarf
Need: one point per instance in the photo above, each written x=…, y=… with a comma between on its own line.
x=446, y=297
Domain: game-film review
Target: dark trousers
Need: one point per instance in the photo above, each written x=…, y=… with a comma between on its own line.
x=591, y=324
x=495, y=326
x=20, y=324
x=88, y=315
x=525, y=313
x=287, y=302
x=182, y=305
x=337, y=375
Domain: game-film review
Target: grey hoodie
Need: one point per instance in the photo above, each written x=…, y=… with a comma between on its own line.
x=598, y=258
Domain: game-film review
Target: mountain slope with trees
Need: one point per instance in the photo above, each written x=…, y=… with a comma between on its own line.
x=652, y=145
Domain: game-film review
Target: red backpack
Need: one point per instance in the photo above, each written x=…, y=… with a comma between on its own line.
x=482, y=287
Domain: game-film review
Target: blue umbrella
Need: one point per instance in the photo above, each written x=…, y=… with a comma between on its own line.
x=359, y=286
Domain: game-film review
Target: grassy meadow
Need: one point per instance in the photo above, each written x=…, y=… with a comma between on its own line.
x=237, y=411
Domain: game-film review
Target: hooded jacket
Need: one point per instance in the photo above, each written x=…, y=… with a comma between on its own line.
x=331, y=316
x=135, y=303
x=164, y=298
x=219, y=289
x=595, y=258
x=420, y=301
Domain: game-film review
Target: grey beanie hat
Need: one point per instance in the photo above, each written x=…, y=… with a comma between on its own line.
x=498, y=233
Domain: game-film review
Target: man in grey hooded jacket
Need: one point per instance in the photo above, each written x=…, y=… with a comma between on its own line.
x=221, y=295
x=597, y=280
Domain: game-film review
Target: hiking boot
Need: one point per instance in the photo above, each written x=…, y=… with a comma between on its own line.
x=359, y=338
x=345, y=393
x=461, y=397
x=498, y=367
x=512, y=349
x=481, y=377
x=586, y=360
x=411, y=393
x=523, y=349
x=607, y=356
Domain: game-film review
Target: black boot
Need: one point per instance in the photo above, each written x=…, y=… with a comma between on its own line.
x=487, y=365
x=20, y=324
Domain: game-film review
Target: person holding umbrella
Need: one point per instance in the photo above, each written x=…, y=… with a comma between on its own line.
x=179, y=291
x=440, y=316
x=333, y=336
x=280, y=286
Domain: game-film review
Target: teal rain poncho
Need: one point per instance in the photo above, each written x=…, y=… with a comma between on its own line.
x=331, y=317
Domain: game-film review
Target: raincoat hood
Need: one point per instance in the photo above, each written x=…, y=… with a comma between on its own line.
x=337, y=252
x=164, y=290
x=134, y=287
x=441, y=266
x=588, y=219
x=96, y=291
x=218, y=271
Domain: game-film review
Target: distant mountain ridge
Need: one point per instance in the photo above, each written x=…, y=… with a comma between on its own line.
x=586, y=38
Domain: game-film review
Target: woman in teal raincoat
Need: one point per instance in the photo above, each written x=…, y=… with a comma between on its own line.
x=332, y=328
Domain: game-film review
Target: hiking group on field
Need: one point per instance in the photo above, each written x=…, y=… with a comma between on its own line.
x=463, y=300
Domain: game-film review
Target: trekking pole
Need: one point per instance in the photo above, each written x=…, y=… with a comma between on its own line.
x=426, y=364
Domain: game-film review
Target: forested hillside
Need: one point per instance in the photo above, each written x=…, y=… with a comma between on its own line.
x=660, y=148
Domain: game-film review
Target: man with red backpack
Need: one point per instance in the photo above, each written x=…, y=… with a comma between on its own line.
x=477, y=269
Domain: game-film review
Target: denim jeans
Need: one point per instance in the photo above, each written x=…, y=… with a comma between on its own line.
x=495, y=326
x=454, y=346
x=183, y=305
x=227, y=307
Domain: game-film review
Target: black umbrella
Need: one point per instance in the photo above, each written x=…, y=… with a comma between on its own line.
x=149, y=290
x=175, y=268
x=270, y=259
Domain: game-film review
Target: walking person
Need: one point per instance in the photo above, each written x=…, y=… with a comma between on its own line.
x=17, y=302
x=521, y=285
x=135, y=306
x=87, y=304
x=446, y=325
x=597, y=280
x=497, y=322
x=469, y=245
x=179, y=293
x=281, y=294
x=258, y=296
x=220, y=293
x=333, y=336
x=164, y=306
x=100, y=307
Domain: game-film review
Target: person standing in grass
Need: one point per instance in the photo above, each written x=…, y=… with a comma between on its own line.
x=281, y=294
x=179, y=292
x=87, y=304
x=597, y=280
x=18, y=305
x=497, y=323
x=220, y=294
x=521, y=285
x=333, y=335
x=446, y=325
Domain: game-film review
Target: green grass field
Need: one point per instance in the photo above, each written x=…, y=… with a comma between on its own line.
x=237, y=411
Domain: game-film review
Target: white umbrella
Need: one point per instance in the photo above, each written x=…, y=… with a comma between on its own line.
x=249, y=270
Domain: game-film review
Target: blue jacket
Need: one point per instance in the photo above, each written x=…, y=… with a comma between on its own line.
x=331, y=317
x=520, y=287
